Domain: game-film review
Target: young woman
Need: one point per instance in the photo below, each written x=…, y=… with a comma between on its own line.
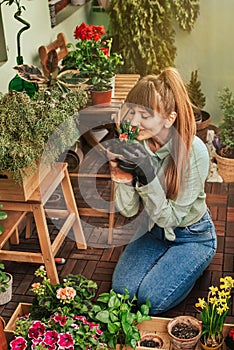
x=169, y=167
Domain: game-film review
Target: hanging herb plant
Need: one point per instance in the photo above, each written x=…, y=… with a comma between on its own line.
x=186, y=12
x=144, y=34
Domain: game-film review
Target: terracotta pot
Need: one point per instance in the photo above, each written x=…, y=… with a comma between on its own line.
x=117, y=174
x=180, y=343
x=151, y=336
x=203, y=126
x=101, y=97
x=3, y=341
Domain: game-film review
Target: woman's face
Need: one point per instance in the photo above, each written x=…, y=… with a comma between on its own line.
x=151, y=124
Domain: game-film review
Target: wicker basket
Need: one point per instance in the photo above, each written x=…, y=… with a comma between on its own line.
x=225, y=168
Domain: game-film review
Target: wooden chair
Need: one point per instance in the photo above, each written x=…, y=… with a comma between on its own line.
x=56, y=51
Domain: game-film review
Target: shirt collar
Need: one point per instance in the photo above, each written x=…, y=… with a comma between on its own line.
x=162, y=152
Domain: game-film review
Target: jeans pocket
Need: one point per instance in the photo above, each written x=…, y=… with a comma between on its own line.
x=202, y=226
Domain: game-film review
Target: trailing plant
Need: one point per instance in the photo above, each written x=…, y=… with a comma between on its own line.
x=226, y=146
x=118, y=315
x=3, y=216
x=46, y=123
x=4, y=279
x=196, y=95
x=143, y=34
x=186, y=12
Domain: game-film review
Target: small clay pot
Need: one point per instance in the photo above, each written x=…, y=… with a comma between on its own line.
x=150, y=339
x=181, y=343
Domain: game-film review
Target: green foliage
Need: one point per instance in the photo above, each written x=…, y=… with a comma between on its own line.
x=143, y=34
x=27, y=126
x=186, y=12
x=72, y=296
x=196, y=95
x=112, y=316
x=118, y=316
x=93, y=57
x=227, y=125
x=4, y=279
x=3, y=216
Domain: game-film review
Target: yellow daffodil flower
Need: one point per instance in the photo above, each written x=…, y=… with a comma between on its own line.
x=213, y=290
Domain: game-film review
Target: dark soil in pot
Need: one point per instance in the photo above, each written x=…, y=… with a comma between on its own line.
x=184, y=331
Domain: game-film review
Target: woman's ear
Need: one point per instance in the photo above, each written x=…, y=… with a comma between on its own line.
x=170, y=120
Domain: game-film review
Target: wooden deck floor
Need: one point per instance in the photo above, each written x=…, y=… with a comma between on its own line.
x=99, y=260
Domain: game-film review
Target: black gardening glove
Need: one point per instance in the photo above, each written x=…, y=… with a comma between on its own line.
x=134, y=159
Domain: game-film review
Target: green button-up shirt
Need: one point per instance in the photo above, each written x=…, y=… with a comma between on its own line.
x=190, y=204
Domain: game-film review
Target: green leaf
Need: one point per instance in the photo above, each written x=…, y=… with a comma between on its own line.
x=113, y=327
x=103, y=316
x=114, y=302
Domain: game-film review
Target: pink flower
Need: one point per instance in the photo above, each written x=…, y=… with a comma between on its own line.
x=51, y=337
x=60, y=319
x=36, y=330
x=37, y=341
x=19, y=343
x=65, y=340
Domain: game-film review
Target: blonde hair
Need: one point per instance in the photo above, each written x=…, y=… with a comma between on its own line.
x=166, y=93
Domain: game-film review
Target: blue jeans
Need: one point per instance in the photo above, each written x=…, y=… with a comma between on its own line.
x=165, y=271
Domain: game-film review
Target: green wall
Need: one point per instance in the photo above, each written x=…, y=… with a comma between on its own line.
x=208, y=48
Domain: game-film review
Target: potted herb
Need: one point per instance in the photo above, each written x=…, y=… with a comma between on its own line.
x=198, y=100
x=93, y=57
x=47, y=123
x=225, y=146
x=214, y=311
x=6, y=281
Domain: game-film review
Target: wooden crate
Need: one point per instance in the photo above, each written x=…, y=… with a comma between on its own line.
x=157, y=325
x=12, y=191
x=21, y=310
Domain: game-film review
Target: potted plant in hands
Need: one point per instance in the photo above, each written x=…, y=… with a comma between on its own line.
x=213, y=313
x=6, y=280
x=127, y=134
x=93, y=57
x=224, y=144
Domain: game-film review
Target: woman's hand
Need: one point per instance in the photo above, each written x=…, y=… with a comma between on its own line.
x=134, y=159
